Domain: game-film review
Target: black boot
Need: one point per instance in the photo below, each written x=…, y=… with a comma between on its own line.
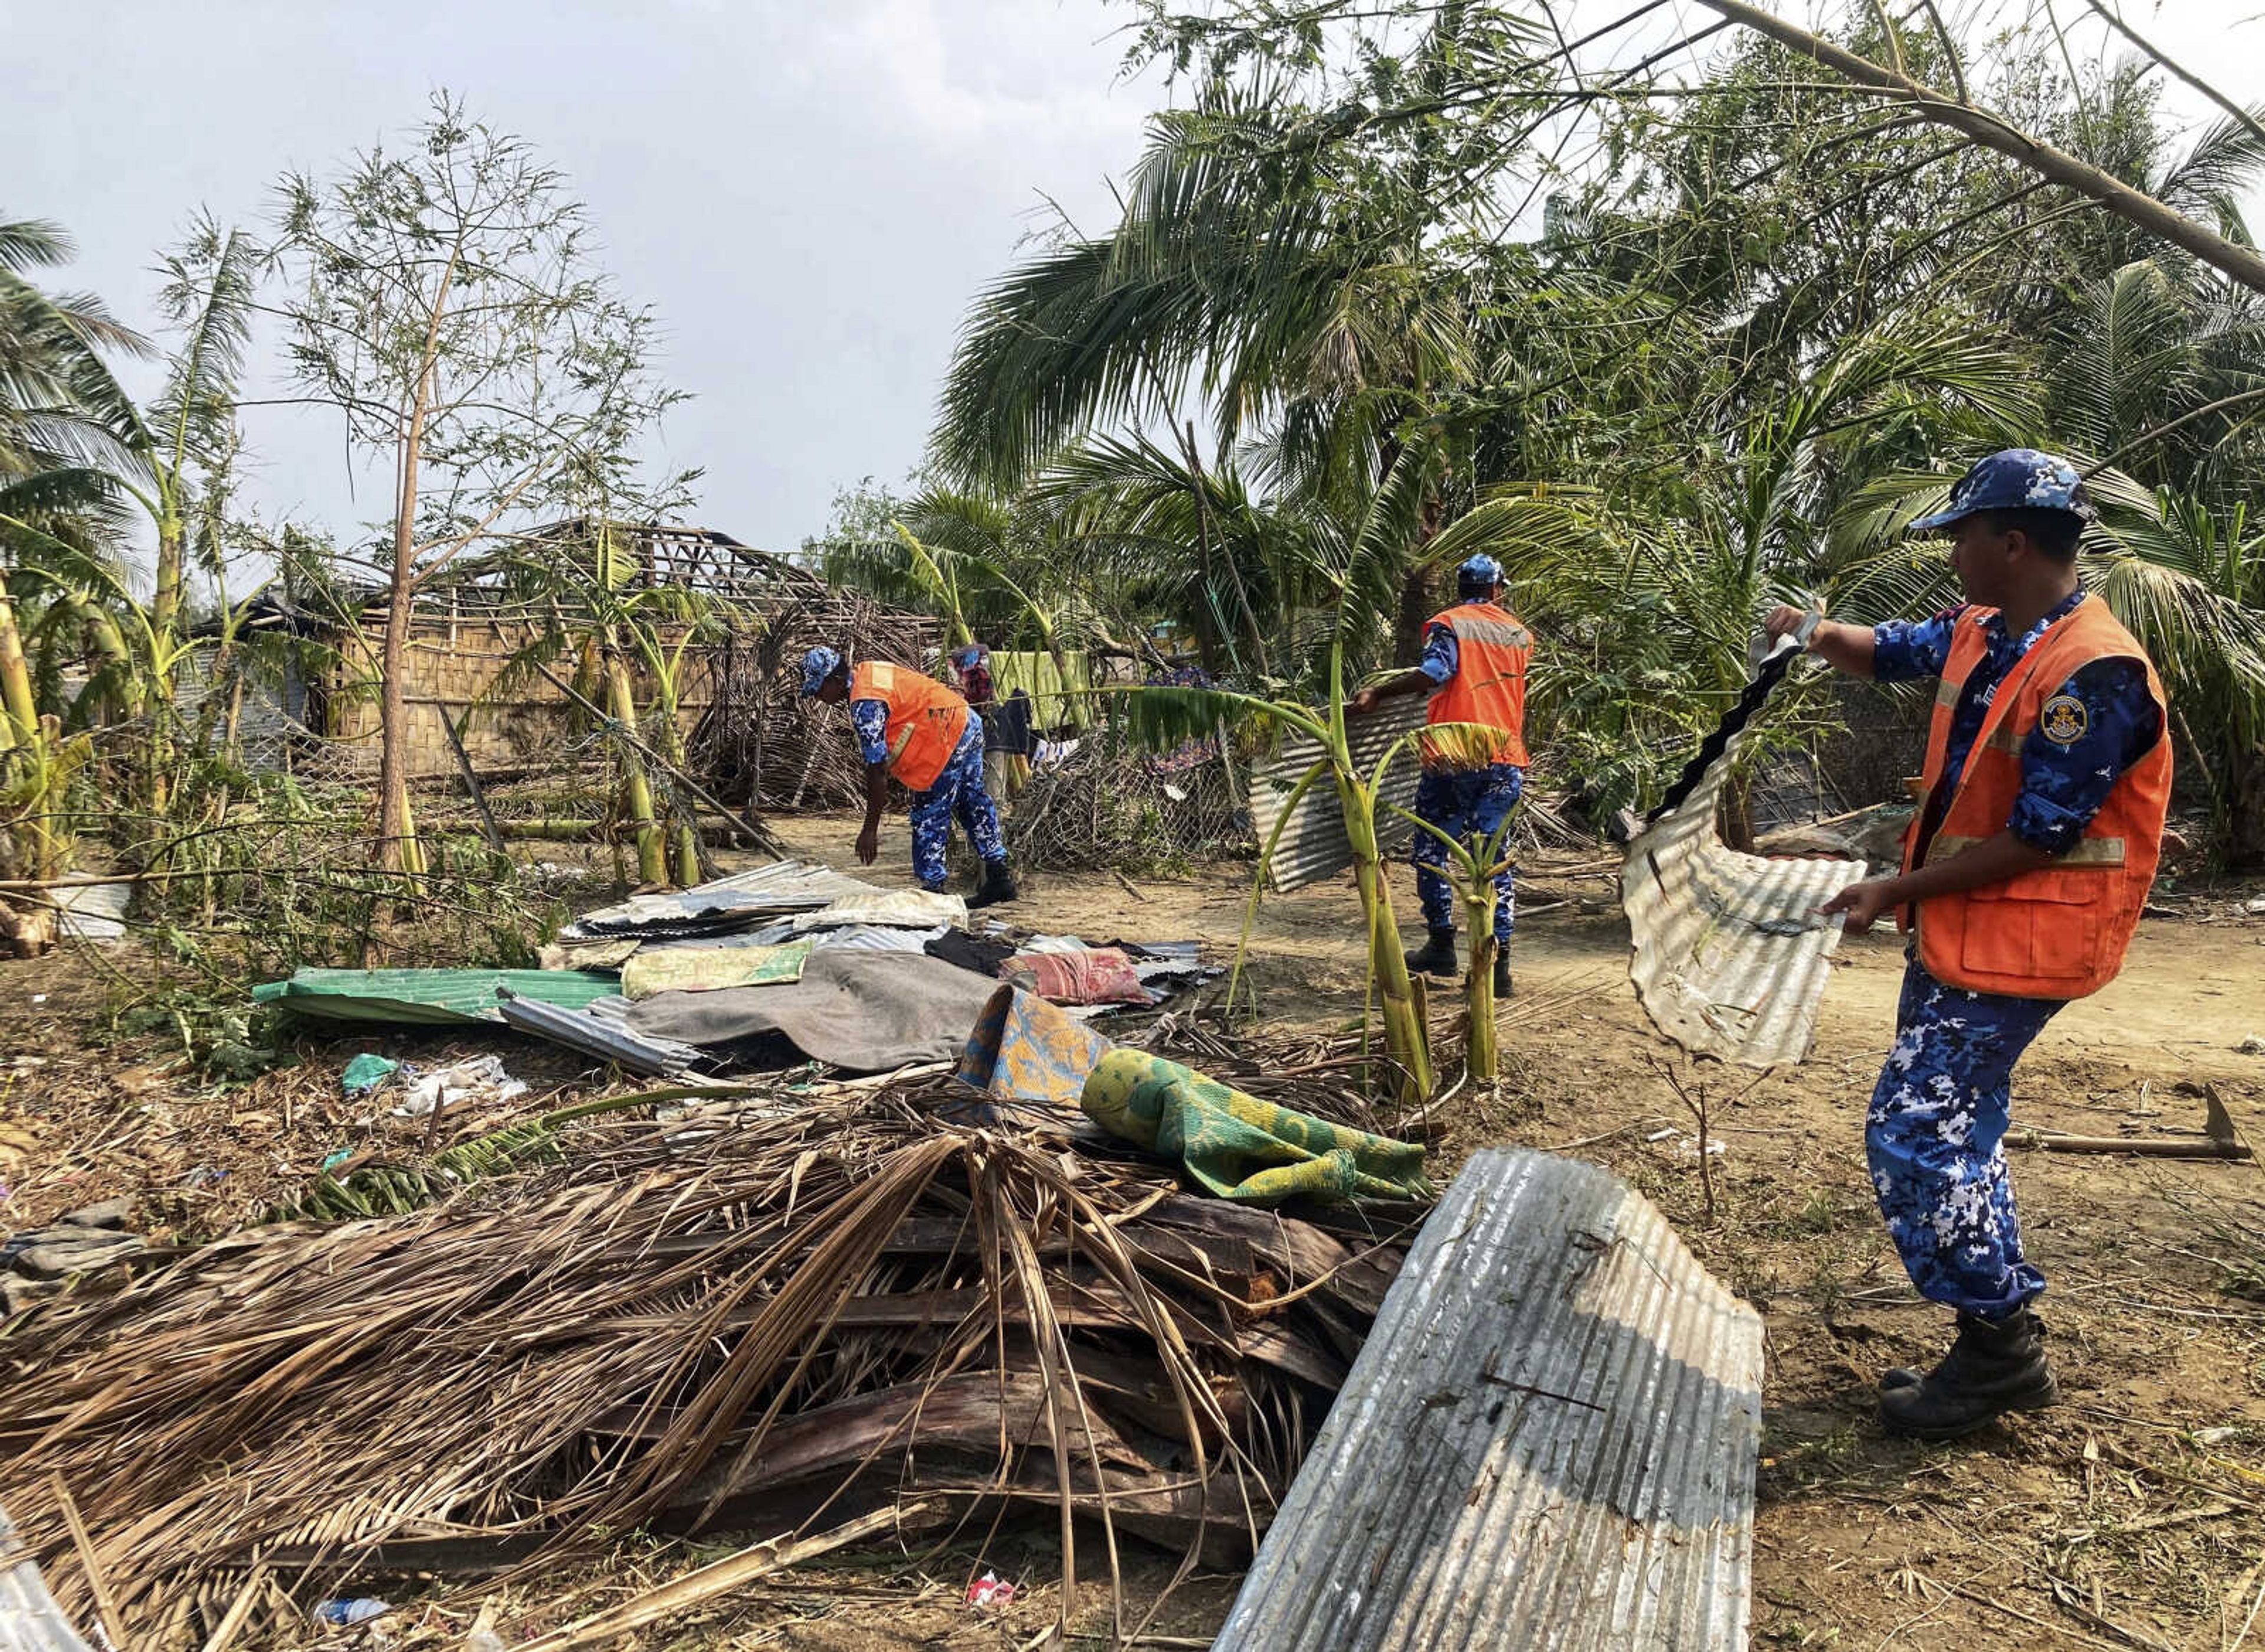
x=1436, y=955
x=1502, y=985
x=1993, y=1367
x=998, y=884
x=1911, y=1376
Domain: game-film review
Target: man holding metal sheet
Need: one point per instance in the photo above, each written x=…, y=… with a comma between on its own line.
x=911, y=726
x=1473, y=668
x=2026, y=866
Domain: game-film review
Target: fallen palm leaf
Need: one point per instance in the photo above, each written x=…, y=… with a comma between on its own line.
x=752, y=1317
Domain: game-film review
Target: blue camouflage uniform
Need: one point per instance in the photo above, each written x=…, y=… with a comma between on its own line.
x=1459, y=802
x=958, y=792
x=1934, y=1133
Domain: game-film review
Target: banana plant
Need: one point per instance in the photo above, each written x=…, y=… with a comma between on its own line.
x=1371, y=557
x=1477, y=860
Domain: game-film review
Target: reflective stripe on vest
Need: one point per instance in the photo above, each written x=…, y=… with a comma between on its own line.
x=926, y=719
x=1488, y=688
x=2060, y=930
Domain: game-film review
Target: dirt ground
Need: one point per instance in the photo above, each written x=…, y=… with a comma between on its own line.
x=2133, y=1515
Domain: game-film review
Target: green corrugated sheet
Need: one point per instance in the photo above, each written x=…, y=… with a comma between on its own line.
x=430, y=997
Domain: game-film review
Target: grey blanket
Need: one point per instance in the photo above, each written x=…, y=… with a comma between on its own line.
x=866, y=1011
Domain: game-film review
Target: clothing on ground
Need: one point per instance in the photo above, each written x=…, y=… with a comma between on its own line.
x=1461, y=803
x=1934, y=1138
x=958, y=795
x=869, y=1012
x=1098, y=975
x=2062, y=782
x=708, y=969
x=982, y=954
x=1024, y=1049
x=1239, y=1147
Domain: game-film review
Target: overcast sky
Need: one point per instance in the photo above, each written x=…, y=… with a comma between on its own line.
x=807, y=194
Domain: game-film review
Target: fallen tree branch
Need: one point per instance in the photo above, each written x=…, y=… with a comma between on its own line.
x=2243, y=264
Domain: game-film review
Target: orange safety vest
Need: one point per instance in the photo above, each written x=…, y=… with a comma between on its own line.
x=1489, y=686
x=926, y=719
x=2058, y=931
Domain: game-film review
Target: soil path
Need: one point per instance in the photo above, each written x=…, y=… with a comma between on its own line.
x=2132, y=1515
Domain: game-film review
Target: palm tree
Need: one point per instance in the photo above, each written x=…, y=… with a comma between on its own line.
x=1650, y=608
x=60, y=432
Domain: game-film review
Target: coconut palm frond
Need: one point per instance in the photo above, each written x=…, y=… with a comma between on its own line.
x=2225, y=162
x=2126, y=355
x=210, y=287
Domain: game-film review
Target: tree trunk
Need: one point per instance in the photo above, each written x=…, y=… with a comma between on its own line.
x=396, y=845
x=1405, y=1038
x=396, y=830
x=1479, y=1043
x=164, y=621
x=636, y=790
x=2243, y=773
x=23, y=717
x=1416, y=606
x=22, y=731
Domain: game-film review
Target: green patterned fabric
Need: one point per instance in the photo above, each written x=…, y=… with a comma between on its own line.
x=710, y=969
x=1239, y=1147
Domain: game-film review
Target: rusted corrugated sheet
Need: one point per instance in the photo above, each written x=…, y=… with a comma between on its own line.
x=1548, y=1441
x=1731, y=956
x=30, y=1620
x=1314, y=845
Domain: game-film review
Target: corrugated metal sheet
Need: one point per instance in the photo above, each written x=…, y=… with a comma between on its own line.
x=873, y=937
x=1730, y=958
x=594, y=1031
x=1313, y=845
x=728, y=903
x=30, y=1620
x=1548, y=1441
x=429, y=997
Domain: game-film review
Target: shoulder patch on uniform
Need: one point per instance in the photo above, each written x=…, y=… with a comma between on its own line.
x=2064, y=719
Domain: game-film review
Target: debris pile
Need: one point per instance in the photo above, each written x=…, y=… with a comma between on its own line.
x=785, y=963
x=764, y=1313
x=757, y=741
x=1100, y=809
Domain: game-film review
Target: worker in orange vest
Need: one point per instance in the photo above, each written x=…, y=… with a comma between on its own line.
x=1473, y=668
x=912, y=727
x=2024, y=872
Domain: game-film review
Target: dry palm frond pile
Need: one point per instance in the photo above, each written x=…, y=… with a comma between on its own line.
x=1117, y=809
x=753, y=1317
x=759, y=741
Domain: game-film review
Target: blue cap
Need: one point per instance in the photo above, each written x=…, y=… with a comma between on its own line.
x=1480, y=570
x=817, y=666
x=2018, y=479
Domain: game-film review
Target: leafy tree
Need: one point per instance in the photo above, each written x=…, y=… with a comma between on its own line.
x=442, y=298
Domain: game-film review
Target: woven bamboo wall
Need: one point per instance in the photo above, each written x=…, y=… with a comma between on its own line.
x=454, y=662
